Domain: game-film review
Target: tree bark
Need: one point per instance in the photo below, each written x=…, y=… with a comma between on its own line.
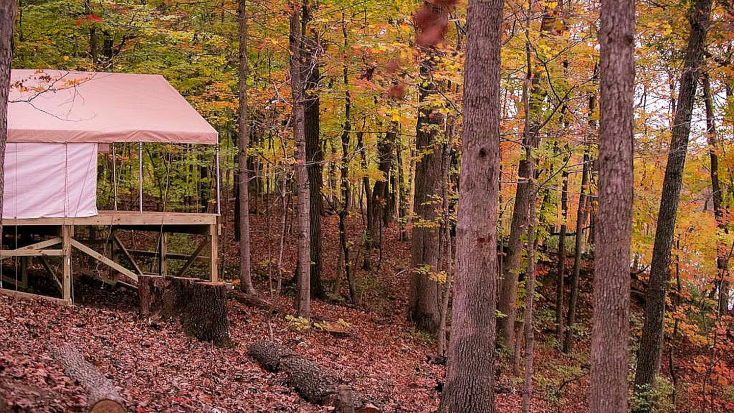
x=425, y=248
x=314, y=155
x=610, y=331
x=7, y=19
x=651, y=343
x=243, y=133
x=470, y=371
x=560, y=287
x=151, y=289
x=303, y=294
x=380, y=191
x=527, y=394
x=102, y=394
x=205, y=314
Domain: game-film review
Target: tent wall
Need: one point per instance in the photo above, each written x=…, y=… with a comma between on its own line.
x=50, y=180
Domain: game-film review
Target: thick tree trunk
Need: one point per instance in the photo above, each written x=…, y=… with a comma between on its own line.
x=610, y=331
x=651, y=343
x=176, y=297
x=303, y=294
x=103, y=396
x=7, y=19
x=205, y=315
x=243, y=198
x=470, y=371
x=314, y=155
x=425, y=248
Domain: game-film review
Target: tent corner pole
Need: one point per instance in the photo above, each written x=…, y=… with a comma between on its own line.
x=219, y=196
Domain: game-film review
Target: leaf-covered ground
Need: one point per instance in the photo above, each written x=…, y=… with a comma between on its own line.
x=157, y=368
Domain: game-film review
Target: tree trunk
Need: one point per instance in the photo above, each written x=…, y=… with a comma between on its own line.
x=582, y=213
x=527, y=393
x=380, y=191
x=610, y=331
x=7, y=18
x=243, y=181
x=425, y=248
x=651, y=343
x=562, y=256
x=722, y=263
x=314, y=155
x=470, y=371
x=303, y=294
x=102, y=394
x=533, y=98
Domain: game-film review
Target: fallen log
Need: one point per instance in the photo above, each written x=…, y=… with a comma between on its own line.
x=310, y=381
x=102, y=395
x=251, y=300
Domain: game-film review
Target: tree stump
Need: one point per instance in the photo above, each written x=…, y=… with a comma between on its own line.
x=176, y=297
x=205, y=314
x=102, y=395
x=151, y=289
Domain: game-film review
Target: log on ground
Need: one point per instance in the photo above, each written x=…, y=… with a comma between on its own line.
x=309, y=380
x=103, y=396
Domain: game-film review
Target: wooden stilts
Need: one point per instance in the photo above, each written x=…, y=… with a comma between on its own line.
x=66, y=231
x=24, y=272
x=163, y=248
x=213, y=253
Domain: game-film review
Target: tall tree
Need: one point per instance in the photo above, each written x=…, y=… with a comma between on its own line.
x=244, y=175
x=7, y=19
x=425, y=246
x=610, y=331
x=470, y=371
x=314, y=155
x=722, y=264
x=303, y=293
x=651, y=343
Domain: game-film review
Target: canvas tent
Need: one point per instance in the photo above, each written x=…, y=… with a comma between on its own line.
x=56, y=119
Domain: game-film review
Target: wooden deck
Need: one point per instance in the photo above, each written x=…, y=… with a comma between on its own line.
x=157, y=222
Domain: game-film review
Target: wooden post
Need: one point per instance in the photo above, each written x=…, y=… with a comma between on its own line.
x=214, y=252
x=66, y=232
x=24, y=272
x=113, y=252
x=163, y=249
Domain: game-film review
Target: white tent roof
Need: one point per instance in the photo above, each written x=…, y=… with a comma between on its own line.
x=53, y=106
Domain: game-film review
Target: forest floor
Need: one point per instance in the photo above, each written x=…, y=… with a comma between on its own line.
x=157, y=368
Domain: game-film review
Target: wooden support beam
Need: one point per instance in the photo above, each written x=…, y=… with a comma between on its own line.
x=66, y=231
x=51, y=272
x=101, y=258
x=214, y=252
x=19, y=294
x=163, y=248
x=192, y=258
x=30, y=253
x=126, y=252
x=24, y=272
x=43, y=244
x=170, y=255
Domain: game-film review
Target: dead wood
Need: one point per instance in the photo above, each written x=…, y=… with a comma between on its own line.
x=102, y=394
